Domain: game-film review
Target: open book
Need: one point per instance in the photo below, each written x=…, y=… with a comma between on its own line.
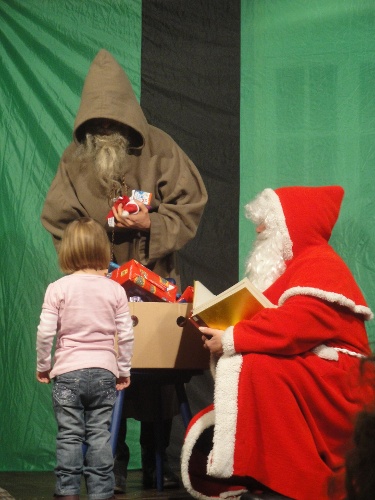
x=240, y=301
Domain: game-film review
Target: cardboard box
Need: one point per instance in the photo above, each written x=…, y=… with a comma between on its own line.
x=138, y=280
x=159, y=341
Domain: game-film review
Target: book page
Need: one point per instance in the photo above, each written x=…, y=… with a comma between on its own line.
x=201, y=294
x=240, y=301
x=244, y=284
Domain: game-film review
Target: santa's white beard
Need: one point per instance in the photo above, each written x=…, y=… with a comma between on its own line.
x=107, y=154
x=265, y=262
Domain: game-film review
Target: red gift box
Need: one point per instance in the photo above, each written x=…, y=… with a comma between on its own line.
x=188, y=295
x=140, y=281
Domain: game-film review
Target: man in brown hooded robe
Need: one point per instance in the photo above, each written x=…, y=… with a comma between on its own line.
x=115, y=151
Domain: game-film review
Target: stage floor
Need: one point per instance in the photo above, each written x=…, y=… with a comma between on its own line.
x=40, y=486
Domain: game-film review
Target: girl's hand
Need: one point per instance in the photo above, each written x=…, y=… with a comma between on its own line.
x=140, y=221
x=212, y=339
x=43, y=377
x=122, y=383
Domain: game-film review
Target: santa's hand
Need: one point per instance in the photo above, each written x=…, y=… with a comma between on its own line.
x=140, y=221
x=212, y=339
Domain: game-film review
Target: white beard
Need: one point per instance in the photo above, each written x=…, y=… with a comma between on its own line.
x=107, y=154
x=265, y=262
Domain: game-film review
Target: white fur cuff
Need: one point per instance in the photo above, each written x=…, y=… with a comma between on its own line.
x=228, y=342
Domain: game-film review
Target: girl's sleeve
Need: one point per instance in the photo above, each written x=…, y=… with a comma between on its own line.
x=125, y=337
x=45, y=335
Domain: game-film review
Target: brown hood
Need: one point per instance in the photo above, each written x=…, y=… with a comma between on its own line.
x=108, y=93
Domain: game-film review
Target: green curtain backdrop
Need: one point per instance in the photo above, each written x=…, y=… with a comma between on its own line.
x=46, y=49
x=308, y=114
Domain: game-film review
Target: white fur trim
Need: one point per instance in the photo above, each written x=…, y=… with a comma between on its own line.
x=228, y=348
x=204, y=422
x=220, y=463
x=281, y=223
x=332, y=353
x=328, y=296
x=274, y=217
x=325, y=352
x=349, y=353
x=213, y=363
x=228, y=341
x=233, y=494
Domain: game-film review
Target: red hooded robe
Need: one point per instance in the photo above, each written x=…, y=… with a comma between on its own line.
x=287, y=387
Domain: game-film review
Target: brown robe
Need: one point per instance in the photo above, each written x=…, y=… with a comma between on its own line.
x=155, y=164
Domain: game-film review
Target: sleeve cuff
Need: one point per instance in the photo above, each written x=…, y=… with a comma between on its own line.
x=228, y=342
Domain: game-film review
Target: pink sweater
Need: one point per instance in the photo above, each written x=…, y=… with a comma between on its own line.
x=85, y=311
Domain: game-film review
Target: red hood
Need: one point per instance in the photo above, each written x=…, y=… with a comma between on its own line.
x=310, y=214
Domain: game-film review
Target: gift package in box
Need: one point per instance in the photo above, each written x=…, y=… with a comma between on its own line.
x=139, y=281
x=163, y=335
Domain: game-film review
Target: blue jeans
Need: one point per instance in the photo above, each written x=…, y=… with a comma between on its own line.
x=83, y=402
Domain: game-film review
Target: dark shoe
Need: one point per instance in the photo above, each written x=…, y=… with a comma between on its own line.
x=120, y=484
x=170, y=480
x=120, y=472
x=66, y=497
x=147, y=479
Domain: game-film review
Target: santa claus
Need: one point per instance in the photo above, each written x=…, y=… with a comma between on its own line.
x=287, y=381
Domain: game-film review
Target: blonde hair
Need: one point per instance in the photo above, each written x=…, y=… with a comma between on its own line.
x=84, y=245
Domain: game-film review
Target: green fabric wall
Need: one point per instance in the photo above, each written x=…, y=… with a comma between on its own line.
x=308, y=114
x=46, y=49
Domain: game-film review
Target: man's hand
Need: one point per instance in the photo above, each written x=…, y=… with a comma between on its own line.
x=214, y=343
x=122, y=383
x=43, y=377
x=140, y=221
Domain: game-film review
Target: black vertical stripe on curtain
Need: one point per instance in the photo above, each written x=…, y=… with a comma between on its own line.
x=190, y=88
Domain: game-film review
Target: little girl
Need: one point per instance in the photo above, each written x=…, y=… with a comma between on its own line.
x=84, y=309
